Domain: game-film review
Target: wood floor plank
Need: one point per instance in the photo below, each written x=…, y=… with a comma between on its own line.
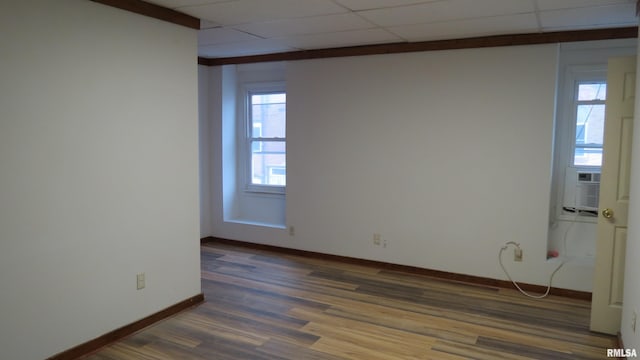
x=410, y=322
x=477, y=353
x=536, y=352
x=277, y=348
x=264, y=305
x=320, y=322
x=350, y=350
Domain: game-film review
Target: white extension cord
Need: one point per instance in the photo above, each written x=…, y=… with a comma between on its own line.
x=517, y=246
x=519, y=252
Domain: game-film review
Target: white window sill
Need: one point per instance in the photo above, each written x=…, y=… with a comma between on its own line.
x=579, y=218
x=267, y=194
x=257, y=223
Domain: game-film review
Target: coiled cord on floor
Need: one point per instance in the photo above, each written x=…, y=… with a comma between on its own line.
x=515, y=283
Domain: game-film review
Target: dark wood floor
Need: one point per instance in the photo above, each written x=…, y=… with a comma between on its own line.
x=264, y=305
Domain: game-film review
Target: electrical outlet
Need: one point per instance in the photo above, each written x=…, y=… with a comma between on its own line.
x=140, y=281
x=634, y=317
x=292, y=231
x=517, y=254
x=376, y=239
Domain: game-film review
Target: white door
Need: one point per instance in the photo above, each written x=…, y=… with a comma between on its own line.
x=606, y=306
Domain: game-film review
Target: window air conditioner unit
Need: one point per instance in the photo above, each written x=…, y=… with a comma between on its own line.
x=581, y=190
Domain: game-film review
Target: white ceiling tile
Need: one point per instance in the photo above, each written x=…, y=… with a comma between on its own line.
x=342, y=39
x=567, y=4
x=174, y=4
x=244, y=48
x=582, y=27
x=247, y=11
x=307, y=25
x=613, y=15
x=249, y=27
x=498, y=25
x=205, y=24
x=375, y=4
x=222, y=36
x=445, y=11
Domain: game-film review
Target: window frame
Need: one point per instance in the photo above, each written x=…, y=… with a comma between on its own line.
x=584, y=78
x=573, y=76
x=246, y=138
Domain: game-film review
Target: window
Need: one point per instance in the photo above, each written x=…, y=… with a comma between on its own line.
x=589, y=106
x=579, y=138
x=265, y=138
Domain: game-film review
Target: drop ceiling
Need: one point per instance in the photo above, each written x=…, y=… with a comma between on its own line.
x=232, y=28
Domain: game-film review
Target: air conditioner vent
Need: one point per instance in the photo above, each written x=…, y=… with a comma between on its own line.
x=588, y=177
x=582, y=190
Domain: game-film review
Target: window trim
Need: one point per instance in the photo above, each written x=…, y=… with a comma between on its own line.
x=245, y=139
x=573, y=75
x=583, y=77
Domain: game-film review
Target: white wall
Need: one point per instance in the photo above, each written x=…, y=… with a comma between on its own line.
x=631, y=299
x=205, y=154
x=98, y=172
x=446, y=154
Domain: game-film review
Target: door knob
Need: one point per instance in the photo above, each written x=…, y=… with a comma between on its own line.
x=607, y=213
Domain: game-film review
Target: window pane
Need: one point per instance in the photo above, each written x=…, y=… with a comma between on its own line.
x=268, y=163
x=597, y=91
x=269, y=98
x=590, y=124
x=587, y=157
x=269, y=112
